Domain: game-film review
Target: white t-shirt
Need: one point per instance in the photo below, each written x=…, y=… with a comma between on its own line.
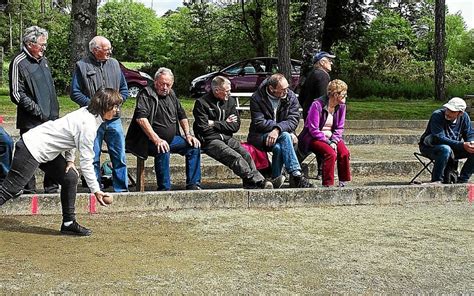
x=76, y=130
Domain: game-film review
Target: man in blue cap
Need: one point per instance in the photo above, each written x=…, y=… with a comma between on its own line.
x=316, y=83
x=315, y=86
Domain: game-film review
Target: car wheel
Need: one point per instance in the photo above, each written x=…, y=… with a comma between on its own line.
x=133, y=90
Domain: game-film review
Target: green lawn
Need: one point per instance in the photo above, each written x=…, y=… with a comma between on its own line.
x=356, y=109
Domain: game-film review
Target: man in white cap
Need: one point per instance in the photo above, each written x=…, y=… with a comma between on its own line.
x=449, y=136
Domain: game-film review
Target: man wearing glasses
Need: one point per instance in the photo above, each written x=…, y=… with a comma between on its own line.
x=215, y=121
x=98, y=71
x=275, y=115
x=32, y=90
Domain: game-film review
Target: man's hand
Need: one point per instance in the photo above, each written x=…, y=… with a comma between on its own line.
x=294, y=139
x=469, y=147
x=272, y=137
x=99, y=195
x=193, y=141
x=70, y=165
x=162, y=146
x=232, y=118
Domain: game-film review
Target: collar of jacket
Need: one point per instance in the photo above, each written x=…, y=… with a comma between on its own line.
x=325, y=100
x=32, y=58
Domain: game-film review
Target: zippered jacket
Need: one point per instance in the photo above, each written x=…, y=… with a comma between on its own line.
x=32, y=90
x=208, y=108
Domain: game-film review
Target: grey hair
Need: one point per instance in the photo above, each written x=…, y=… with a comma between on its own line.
x=219, y=81
x=319, y=64
x=275, y=79
x=33, y=33
x=94, y=42
x=164, y=71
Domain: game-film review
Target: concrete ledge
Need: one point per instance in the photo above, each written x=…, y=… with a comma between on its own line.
x=240, y=198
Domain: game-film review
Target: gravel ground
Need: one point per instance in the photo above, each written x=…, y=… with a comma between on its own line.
x=424, y=248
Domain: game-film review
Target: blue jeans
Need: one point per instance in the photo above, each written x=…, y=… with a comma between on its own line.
x=112, y=133
x=162, y=163
x=440, y=154
x=283, y=155
x=6, y=153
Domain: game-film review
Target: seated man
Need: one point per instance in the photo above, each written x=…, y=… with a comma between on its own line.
x=449, y=132
x=6, y=152
x=275, y=115
x=215, y=121
x=154, y=131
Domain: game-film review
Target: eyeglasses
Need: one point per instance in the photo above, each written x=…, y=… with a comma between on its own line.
x=42, y=45
x=106, y=49
x=227, y=91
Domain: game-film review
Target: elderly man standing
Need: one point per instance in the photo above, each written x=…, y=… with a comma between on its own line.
x=215, y=121
x=275, y=115
x=98, y=71
x=32, y=90
x=154, y=130
x=449, y=135
x=316, y=84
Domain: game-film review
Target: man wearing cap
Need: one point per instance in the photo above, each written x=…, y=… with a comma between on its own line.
x=316, y=83
x=449, y=134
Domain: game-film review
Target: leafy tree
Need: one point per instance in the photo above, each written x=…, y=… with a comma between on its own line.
x=132, y=28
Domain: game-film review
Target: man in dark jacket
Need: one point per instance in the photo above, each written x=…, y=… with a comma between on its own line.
x=154, y=130
x=215, y=121
x=97, y=71
x=449, y=135
x=32, y=90
x=275, y=116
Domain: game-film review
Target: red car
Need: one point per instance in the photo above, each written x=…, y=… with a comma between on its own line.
x=136, y=80
x=245, y=76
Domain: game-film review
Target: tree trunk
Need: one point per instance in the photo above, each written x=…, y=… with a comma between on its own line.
x=440, y=50
x=255, y=33
x=84, y=28
x=284, y=64
x=312, y=34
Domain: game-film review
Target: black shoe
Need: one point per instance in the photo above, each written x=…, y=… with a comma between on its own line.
x=299, y=182
x=193, y=187
x=265, y=184
x=75, y=229
x=51, y=189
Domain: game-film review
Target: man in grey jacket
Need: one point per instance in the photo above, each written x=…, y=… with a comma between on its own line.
x=97, y=71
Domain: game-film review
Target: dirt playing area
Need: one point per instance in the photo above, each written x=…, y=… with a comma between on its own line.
x=421, y=248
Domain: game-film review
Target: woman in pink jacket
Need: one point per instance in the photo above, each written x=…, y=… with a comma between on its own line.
x=322, y=133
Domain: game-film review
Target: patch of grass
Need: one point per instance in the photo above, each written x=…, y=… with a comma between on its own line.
x=369, y=108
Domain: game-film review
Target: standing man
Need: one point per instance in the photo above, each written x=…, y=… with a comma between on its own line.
x=97, y=71
x=154, y=131
x=275, y=116
x=32, y=90
x=316, y=84
x=449, y=135
x=215, y=121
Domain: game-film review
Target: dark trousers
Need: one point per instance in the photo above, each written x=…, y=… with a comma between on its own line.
x=24, y=167
x=48, y=181
x=235, y=157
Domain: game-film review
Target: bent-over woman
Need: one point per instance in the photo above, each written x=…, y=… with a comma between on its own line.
x=43, y=146
x=322, y=133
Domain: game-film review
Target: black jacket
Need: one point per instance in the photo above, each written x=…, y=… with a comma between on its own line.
x=32, y=89
x=136, y=141
x=315, y=86
x=263, y=119
x=208, y=108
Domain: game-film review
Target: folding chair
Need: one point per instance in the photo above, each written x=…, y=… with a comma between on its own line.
x=426, y=162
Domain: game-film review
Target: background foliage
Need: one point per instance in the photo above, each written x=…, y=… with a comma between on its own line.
x=381, y=51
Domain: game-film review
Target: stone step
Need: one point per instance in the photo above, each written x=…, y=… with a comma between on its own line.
x=49, y=204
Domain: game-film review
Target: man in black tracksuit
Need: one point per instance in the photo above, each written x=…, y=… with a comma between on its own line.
x=32, y=90
x=215, y=121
